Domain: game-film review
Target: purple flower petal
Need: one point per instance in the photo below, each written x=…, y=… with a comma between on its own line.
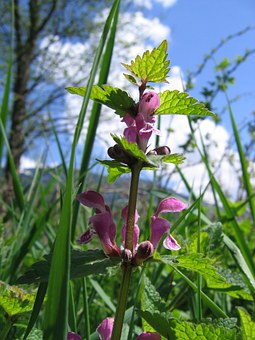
x=105, y=329
x=73, y=336
x=106, y=231
x=101, y=223
x=159, y=226
x=170, y=204
x=87, y=236
x=149, y=102
x=130, y=134
x=92, y=199
x=170, y=243
x=128, y=120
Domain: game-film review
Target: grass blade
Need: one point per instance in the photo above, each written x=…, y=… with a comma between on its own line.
x=241, y=263
x=246, y=177
x=217, y=311
x=5, y=99
x=37, y=307
x=102, y=294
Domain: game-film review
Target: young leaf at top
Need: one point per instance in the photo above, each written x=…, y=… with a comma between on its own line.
x=152, y=66
x=112, y=97
x=175, y=102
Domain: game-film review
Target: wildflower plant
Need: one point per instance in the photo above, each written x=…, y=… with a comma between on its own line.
x=131, y=154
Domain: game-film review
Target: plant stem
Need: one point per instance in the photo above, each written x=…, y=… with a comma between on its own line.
x=122, y=302
x=132, y=206
x=127, y=268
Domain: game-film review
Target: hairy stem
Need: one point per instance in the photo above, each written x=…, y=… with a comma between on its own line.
x=132, y=206
x=127, y=268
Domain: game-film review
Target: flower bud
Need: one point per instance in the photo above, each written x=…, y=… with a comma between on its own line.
x=160, y=151
x=127, y=255
x=105, y=329
x=163, y=150
x=149, y=103
x=119, y=154
x=144, y=251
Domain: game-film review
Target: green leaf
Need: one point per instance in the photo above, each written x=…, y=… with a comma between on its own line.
x=115, y=169
x=152, y=66
x=158, y=321
x=15, y=300
x=223, y=64
x=132, y=148
x=175, y=102
x=247, y=324
x=83, y=263
x=151, y=300
x=175, y=158
x=36, y=334
x=112, y=97
x=185, y=330
x=199, y=264
x=130, y=78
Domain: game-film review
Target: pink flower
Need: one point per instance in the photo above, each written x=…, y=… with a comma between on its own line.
x=73, y=336
x=141, y=127
x=148, y=104
x=160, y=226
x=105, y=329
x=101, y=223
x=149, y=336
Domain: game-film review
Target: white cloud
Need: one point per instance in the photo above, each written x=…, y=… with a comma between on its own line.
x=148, y=4
x=143, y=3
x=166, y=3
x=26, y=164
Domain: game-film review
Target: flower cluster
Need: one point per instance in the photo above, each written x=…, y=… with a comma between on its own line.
x=102, y=224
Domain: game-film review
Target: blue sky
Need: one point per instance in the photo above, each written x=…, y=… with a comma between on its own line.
x=199, y=25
